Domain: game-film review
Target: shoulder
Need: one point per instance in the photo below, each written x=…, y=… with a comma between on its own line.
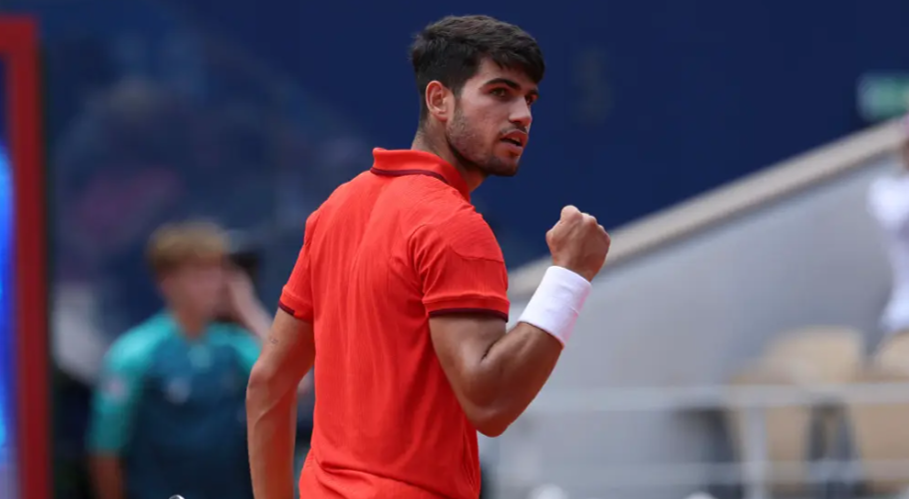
x=136, y=347
x=459, y=228
x=349, y=191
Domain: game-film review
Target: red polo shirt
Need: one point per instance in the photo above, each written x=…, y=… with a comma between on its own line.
x=386, y=251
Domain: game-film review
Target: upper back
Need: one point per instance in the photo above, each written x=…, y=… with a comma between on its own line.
x=365, y=236
x=387, y=250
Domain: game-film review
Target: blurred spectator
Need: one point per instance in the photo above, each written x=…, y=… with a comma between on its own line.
x=168, y=413
x=888, y=202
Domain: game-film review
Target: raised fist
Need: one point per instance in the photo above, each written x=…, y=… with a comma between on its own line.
x=578, y=243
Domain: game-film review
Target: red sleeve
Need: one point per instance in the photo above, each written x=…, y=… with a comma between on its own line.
x=296, y=297
x=461, y=266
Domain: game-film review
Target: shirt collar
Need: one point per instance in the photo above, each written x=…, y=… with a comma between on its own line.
x=168, y=320
x=411, y=162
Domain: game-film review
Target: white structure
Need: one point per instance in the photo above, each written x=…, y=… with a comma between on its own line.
x=687, y=295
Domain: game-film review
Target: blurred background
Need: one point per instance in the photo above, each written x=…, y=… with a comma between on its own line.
x=746, y=338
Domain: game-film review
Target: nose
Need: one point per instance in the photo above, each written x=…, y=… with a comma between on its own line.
x=521, y=115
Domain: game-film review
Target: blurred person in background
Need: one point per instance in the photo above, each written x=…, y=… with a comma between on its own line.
x=168, y=413
x=888, y=203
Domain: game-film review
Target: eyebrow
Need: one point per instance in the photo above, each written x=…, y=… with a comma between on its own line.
x=512, y=84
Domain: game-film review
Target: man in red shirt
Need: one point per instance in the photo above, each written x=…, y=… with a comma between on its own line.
x=399, y=294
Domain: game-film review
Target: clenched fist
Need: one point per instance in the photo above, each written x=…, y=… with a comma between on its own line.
x=578, y=243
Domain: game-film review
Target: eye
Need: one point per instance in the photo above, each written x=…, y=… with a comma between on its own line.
x=530, y=99
x=499, y=92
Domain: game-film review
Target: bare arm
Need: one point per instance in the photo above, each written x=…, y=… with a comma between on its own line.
x=271, y=405
x=494, y=375
x=107, y=476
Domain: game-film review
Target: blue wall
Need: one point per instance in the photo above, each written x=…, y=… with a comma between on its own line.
x=690, y=94
x=645, y=103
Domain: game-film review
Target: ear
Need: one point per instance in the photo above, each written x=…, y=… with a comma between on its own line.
x=439, y=101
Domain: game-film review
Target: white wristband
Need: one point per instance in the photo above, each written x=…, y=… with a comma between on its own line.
x=556, y=304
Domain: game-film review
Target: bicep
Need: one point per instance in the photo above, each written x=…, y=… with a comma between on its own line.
x=461, y=343
x=287, y=354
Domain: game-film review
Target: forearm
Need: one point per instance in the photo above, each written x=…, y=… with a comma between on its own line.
x=515, y=369
x=271, y=406
x=107, y=477
x=272, y=421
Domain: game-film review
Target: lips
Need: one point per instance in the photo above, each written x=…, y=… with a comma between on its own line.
x=516, y=138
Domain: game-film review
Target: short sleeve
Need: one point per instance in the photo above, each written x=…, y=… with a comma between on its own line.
x=296, y=297
x=461, y=267
x=115, y=399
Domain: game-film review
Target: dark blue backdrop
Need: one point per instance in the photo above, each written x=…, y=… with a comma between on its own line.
x=645, y=103
x=683, y=96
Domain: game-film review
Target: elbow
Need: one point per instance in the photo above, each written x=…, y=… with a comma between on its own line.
x=492, y=429
x=490, y=421
x=259, y=380
x=487, y=409
x=268, y=386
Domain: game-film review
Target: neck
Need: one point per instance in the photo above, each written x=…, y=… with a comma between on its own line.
x=192, y=325
x=426, y=142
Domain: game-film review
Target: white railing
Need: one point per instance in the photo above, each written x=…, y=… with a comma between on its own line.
x=714, y=397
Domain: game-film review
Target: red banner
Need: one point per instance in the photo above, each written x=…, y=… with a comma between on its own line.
x=29, y=313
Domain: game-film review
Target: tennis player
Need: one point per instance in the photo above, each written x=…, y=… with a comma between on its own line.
x=399, y=294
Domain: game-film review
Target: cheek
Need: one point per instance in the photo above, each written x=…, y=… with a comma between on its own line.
x=214, y=287
x=204, y=287
x=490, y=115
x=479, y=126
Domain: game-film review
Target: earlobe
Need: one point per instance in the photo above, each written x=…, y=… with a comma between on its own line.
x=436, y=100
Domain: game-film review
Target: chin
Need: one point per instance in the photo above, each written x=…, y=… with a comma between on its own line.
x=511, y=172
x=503, y=168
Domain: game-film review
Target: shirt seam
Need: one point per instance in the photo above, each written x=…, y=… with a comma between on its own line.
x=448, y=245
